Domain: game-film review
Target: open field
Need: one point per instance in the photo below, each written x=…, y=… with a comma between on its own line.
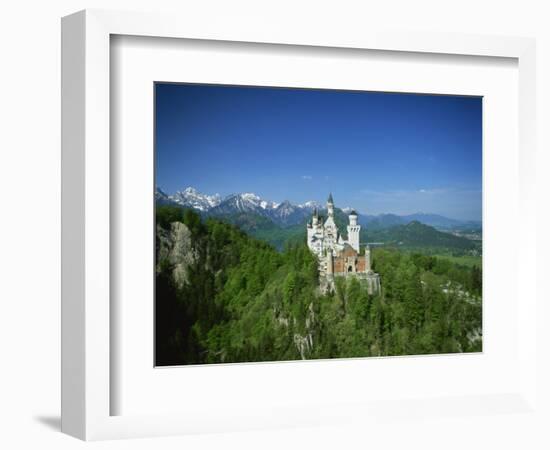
x=465, y=260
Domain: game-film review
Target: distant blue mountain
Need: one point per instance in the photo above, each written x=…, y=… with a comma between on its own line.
x=382, y=221
x=286, y=214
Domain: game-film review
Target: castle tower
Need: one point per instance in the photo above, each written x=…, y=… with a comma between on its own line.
x=330, y=228
x=353, y=231
x=315, y=219
x=310, y=232
x=330, y=205
x=330, y=267
x=367, y=259
x=315, y=234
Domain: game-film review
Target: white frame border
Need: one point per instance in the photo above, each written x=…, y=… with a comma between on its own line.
x=86, y=199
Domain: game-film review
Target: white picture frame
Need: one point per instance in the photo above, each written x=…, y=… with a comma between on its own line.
x=86, y=197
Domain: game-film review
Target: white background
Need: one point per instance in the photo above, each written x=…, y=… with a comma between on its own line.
x=29, y=246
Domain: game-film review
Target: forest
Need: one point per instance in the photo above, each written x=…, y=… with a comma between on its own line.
x=223, y=296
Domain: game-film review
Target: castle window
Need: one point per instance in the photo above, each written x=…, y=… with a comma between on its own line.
x=350, y=269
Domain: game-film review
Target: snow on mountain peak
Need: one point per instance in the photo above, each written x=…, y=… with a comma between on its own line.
x=195, y=199
x=250, y=196
x=310, y=205
x=246, y=201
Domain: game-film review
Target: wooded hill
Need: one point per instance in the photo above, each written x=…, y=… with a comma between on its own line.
x=225, y=296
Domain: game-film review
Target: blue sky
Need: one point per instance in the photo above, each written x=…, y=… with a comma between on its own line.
x=376, y=152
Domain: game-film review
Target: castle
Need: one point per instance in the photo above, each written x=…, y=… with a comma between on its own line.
x=339, y=257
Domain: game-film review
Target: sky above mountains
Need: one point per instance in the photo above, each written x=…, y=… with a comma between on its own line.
x=376, y=152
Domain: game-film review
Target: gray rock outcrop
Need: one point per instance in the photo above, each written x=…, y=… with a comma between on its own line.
x=176, y=247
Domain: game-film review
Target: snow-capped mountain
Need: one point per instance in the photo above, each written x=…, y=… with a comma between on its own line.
x=287, y=213
x=284, y=213
x=310, y=205
x=192, y=198
x=247, y=202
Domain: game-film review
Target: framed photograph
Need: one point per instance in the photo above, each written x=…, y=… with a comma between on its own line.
x=377, y=278
x=266, y=228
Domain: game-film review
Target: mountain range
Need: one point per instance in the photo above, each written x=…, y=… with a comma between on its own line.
x=287, y=214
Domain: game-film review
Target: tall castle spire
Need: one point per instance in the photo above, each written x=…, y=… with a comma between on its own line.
x=330, y=205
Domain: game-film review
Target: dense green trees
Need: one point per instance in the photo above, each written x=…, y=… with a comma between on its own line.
x=245, y=301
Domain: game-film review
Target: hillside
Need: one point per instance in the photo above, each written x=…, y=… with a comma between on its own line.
x=418, y=235
x=413, y=235
x=268, y=230
x=265, y=229
x=223, y=296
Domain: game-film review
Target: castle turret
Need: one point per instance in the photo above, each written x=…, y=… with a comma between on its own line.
x=330, y=267
x=353, y=218
x=315, y=219
x=367, y=259
x=353, y=231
